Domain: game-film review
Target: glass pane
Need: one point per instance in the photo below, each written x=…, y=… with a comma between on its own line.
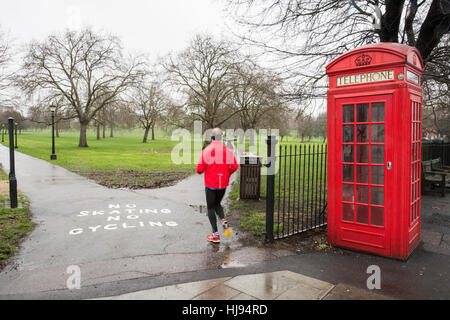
x=377, y=216
x=377, y=175
x=418, y=133
x=378, y=133
x=348, y=114
x=377, y=195
x=347, y=173
x=362, y=153
x=362, y=112
x=362, y=133
x=347, y=193
x=362, y=174
x=378, y=154
x=378, y=112
x=362, y=194
x=362, y=214
x=348, y=212
x=347, y=153
x=347, y=134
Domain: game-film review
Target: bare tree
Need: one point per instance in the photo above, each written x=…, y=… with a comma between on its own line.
x=278, y=118
x=87, y=69
x=124, y=115
x=5, y=59
x=320, y=126
x=203, y=73
x=304, y=124
x=255, y=92
x=150, y=103
x=111, y=117
x=306, y=35
x=39, y=110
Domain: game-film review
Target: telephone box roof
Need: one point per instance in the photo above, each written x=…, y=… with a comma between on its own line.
x=378, y=54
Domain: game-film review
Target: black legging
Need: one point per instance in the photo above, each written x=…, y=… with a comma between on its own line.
x=213, y=199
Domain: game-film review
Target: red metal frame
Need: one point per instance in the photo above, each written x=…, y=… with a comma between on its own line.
x=366, y=212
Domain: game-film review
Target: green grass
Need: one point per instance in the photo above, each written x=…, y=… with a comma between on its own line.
x=250, y=213
x=112, y=161
x=14, y=224
x=123, y=152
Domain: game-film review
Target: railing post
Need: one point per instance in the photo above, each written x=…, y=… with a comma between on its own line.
x=270, y=186
x=12, y=170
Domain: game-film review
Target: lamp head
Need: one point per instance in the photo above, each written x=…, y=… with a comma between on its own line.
x=52, y=108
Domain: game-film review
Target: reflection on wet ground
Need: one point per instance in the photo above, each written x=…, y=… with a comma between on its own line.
x=222, y=256
x=281, y=285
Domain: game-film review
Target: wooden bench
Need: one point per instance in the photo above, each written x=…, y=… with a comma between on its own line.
x=438, y=180
x=436, y=165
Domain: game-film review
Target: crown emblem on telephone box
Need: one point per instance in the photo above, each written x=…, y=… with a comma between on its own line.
x=363, y=60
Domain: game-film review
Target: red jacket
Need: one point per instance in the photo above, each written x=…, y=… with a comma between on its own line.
x=218, y=163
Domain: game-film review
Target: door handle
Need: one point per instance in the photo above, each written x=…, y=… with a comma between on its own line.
x=389, y=165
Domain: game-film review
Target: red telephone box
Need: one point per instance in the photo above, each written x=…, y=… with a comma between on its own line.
x=374, y=149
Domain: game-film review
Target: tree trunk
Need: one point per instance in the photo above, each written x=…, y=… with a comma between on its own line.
x=147, y=129
x=83, y=139
x=98, y=131
x=104, y=131
x=390, y=21
x=435, y=25
x=153, y=132
x=111, y=134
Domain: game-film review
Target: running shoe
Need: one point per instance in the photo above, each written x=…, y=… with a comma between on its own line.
x=215, y=238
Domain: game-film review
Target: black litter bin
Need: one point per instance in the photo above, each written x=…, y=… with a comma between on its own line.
x=250, y=177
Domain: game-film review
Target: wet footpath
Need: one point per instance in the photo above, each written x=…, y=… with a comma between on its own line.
x=150, y=244
x=112, y=234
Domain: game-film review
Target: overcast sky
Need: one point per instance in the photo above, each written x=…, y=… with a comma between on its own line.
x=151, y=26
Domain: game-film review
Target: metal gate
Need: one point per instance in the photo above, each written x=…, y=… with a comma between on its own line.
x=296, y=189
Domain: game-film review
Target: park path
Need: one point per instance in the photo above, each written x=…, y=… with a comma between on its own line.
x=111, y=234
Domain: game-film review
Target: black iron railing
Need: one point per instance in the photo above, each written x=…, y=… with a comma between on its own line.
x=299, y=191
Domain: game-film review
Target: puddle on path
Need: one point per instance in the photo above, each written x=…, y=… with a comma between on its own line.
x=228, y=263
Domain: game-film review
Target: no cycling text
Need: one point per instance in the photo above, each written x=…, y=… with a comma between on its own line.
x=127, y=217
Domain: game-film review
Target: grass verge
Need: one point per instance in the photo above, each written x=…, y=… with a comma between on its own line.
x=119, y=162
x=15, y=223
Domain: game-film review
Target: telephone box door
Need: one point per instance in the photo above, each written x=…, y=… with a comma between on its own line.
x=363, y=128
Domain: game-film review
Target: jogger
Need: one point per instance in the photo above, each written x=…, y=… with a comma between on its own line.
x=218, y=163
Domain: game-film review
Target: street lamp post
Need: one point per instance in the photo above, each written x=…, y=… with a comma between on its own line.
x=3, y=133
x=15, y=132
x=12, y=167
x=53, y=155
